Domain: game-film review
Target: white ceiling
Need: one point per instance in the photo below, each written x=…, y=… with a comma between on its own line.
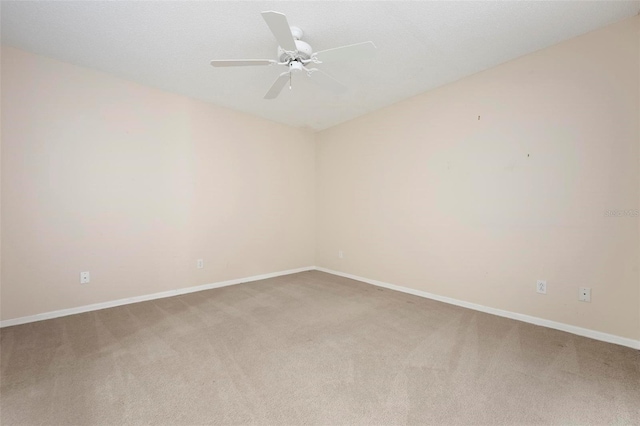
x=421, y=45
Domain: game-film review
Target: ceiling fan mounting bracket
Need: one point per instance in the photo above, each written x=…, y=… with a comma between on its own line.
x=297, y=33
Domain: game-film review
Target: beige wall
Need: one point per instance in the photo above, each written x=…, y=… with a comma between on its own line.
x=134, y=184
x=476, y=189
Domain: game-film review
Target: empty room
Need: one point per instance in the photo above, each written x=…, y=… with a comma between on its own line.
x=320, y=213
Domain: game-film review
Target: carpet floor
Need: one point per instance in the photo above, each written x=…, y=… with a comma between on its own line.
x=309, y=348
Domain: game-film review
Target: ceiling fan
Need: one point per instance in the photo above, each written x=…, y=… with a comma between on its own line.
x=298, y=55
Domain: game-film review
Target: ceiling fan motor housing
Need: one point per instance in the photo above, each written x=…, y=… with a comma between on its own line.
x=303, y=48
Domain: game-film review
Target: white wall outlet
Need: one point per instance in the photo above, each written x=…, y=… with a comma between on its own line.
x=84, y=277
x=541, y=286
x=584, y=295
x=200, y=263
x=340, y=254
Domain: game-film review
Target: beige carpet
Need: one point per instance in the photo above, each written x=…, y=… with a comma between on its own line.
x=309, y=348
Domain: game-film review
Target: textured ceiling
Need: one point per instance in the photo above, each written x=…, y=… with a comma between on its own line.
x=421, y=45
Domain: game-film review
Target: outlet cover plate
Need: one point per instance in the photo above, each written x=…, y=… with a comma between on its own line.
x=541, y=286
x=584, y=295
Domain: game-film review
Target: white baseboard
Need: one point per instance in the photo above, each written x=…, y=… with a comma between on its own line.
x=136, y=299
x=597, y=335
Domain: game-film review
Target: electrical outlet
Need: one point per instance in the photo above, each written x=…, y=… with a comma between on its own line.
x=584, y=295
x=541, y=286
x=84, y=277
x=340, y=254
x=200, y=263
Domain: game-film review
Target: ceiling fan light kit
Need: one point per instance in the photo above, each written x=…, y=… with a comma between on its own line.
x=296, y=54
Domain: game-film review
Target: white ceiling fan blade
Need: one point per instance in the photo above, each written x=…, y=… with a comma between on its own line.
x=277, y=86
x=326, y=81
x=241, y=62
x=352, y=51
x=279, y=26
